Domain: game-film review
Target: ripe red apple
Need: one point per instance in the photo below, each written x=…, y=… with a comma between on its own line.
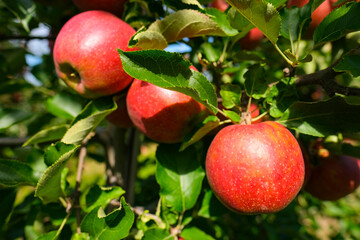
x=219, y=4
x=120, y=117
x=334, y=177
x=163, y=115
x=114, y=6
x=256, y=168
x=317, y=16
x=252, y=39
x=86, y=57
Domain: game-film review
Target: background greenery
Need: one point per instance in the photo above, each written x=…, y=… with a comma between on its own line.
x=45, y=127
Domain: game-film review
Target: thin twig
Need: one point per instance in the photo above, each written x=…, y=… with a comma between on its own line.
x=12, y=141
x=80, y=167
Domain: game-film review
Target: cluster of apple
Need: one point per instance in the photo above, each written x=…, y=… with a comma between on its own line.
x=256, y=168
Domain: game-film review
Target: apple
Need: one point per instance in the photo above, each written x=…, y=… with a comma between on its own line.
x=257, y=168
x=334, y=177
x=114, y=6
x=162, y=115
x=120, y=117
x=317, y=16
x=252, y=39
x=219, y=4
x=86, y=57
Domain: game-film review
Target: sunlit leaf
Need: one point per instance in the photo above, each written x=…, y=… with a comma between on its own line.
x=170, y=71
x=48, y=188
x=262, y=15
x=181, y=24
x=47, y=135
x=89, y=118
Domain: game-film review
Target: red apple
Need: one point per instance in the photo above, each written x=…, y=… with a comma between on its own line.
x=163, y=115
x=114, y=6
x=334, y=177
x=256, y=168
x=120, y=117
x=252, y=39
x=219, y=4
x=86, y=57
x=317, y=16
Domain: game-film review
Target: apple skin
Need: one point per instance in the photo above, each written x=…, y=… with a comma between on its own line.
x=254, y=169
x=114, y=6
x=120, y=117
x=252, y=39
x=334, y=177
x=317, y=16
x=85, y=53
x=162, y=115
x=222, y=5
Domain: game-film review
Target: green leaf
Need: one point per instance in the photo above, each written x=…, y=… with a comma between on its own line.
x=47, y=135
x=353, y=100
x=231, y=95
x=157, y=234
x=9, y=117
x=80, y=236
x=64, y=105
x=115, y=225
x=48, y=236
x=211, y=52
x=322, y=118
x=23, y=11
x=193, y=233
x=261, y=14
x=239, y=22
x=90, y=117
x=294, y=19
x=55, y=151
x=338, y=23
x=14, y=173
x=183, y=4
x=101, y=196
x=48, y=188
x=221, y=19
x=277, y=3
x=234, y=116
x=350, y=64
x=14, y=61
x=170, y=71
x=256, y=84
x=7, y=200
x=181, y=24
x=208, y=127
x=179, y=175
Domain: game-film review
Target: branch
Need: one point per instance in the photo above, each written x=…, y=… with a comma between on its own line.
x=12, y=141
x=326, y=79
x=25, y=37
x=82, y=155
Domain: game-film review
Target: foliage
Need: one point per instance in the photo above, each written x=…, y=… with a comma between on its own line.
x=132, y=187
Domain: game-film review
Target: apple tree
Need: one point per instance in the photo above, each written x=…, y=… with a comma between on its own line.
x=187, y=119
